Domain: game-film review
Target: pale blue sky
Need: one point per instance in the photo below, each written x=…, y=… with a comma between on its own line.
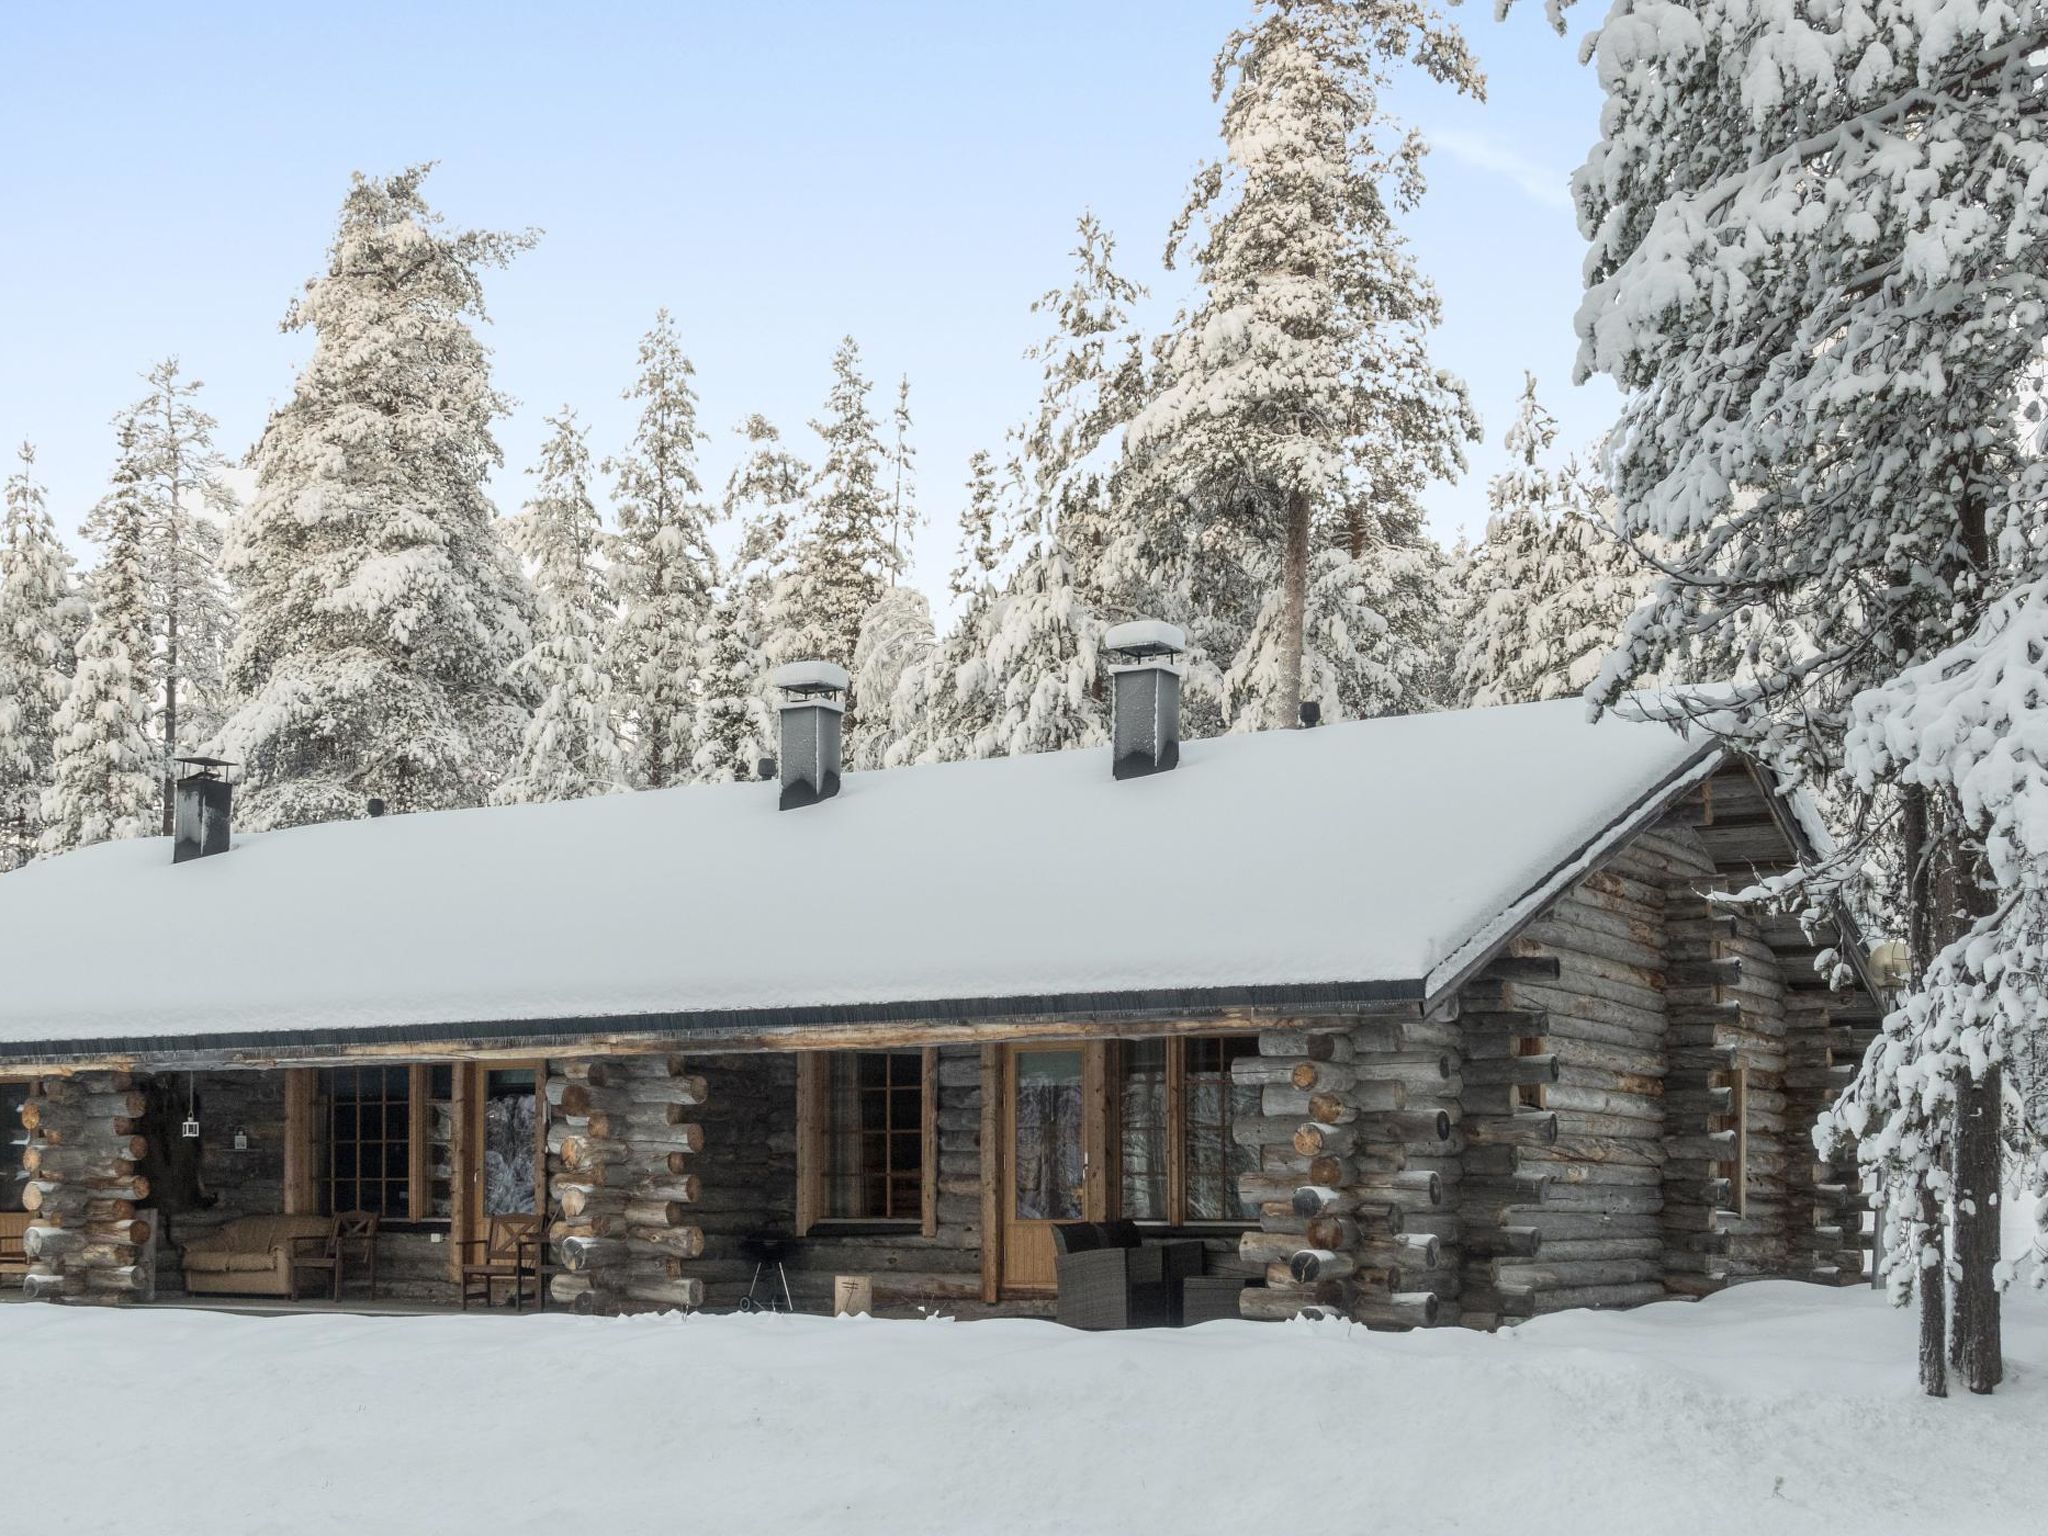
x=778, y=173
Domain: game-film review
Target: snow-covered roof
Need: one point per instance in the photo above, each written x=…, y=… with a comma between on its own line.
x=1377, y=857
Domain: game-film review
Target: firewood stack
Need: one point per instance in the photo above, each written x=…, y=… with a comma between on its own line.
x=620, y=1191
x=87, y=1244
x=1354, y=1136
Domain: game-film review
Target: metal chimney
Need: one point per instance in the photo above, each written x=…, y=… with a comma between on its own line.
x=203, y=818
x=813, y=693
x=1145, y=689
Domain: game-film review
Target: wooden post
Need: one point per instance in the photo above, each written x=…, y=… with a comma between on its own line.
x=301, y=1100
x=86, y=1244
x=991, y=1173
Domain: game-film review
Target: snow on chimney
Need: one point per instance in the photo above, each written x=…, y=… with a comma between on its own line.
x=1145, y=686
x=203, y=817
x=810, y=730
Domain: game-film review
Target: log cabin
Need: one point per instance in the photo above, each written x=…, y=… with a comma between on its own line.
x=1419, y=1020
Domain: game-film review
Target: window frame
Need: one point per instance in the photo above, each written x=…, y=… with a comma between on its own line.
x=1177, y=1217
x=11, y=1127
x=814, y=1142
x=309, y=1181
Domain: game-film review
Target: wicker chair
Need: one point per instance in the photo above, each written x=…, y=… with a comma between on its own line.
x=1110, y=1278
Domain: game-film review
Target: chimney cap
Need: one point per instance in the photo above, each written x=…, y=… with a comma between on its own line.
x=1145, y=638
x=206, y=767
x=804, y=678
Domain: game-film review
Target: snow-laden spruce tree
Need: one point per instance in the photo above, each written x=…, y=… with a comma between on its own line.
x=36, y=657
x=192, y=618
x=571, y=747
x=1818, y=248
x=104, y=774
x=1042, y=661
x=757, y=622
x=896, y=640
x=1298, y=391
x=1547, y=592
x=941, y=709
x=380, y=609
x=663, y=566
x=844, y=559
x=905, y=515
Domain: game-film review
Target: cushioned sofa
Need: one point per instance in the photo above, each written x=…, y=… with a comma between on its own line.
x=250, y=1256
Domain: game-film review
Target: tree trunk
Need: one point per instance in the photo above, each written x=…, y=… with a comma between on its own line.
x=1978, y=1342
x=1293, y=613
x=1930, y=1281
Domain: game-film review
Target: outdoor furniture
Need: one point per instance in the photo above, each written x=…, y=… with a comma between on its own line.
x=350, y=1242
x=250, y=1256
x=1210, y=1298
x=13, y=1253
x=1109, y=1277
x=507, y=1254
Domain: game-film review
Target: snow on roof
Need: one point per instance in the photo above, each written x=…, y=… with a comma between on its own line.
x=1374, y=852
x=1146, y=635
x=810, y=674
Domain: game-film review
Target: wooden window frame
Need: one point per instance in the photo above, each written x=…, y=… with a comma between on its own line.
x=813, y=1148
x=325, y=1182
x=1176, y=1216
x=303, y=1186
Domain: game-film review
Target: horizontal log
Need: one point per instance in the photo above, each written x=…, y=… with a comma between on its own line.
x=1535, y=1129
x=1519, y=1071
x=1406, y=1309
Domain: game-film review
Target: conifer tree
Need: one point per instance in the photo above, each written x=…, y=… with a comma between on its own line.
x=904, y=516
x=571, y=746
x=896, y=640
x=191, y=616
x=941, y=710
x=104, y=780
x=380, y=610
x=844, y=560
x=1302, y=374
x=758, y=618
x=35, y=658
x=663, y=567
x=1545, y=596
x=1818, y=251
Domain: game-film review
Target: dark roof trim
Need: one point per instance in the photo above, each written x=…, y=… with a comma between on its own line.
x=707, y=1027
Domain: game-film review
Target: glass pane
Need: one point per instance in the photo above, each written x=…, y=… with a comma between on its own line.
x=510, y=1109
x=1047, y=1156
x=874, y=1135
x=1142, y=1143
x=13, y=1182
x=1214, y=1105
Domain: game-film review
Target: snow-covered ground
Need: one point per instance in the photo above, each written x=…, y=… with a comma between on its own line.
x=1772, y=1408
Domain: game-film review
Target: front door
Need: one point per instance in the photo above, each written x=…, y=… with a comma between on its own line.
x=1054, y=1138
x=505, y=1140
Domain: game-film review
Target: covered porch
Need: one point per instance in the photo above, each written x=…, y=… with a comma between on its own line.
x=927, y=1175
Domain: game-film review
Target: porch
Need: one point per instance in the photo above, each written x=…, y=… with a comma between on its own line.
x=646, y=1181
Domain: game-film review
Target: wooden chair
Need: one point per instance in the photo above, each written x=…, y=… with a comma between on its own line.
x=351, y=1240
x=13, y=1254
x=507, y=1254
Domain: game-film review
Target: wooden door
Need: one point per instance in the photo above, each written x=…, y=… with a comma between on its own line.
x=1055, y=1133
x=503, y=1125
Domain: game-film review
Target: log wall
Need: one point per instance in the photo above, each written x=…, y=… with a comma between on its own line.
x=87, y=1236
x=749, y=1167
x=1357, y=1149
x=622, y=1141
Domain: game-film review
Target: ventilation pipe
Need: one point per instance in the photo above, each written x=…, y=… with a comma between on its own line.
x=1145, y=691
x=813, y=694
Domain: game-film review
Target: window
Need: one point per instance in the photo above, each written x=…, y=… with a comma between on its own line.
x=372, y=1124
x=511, y=1108
x=867, y=1139
x=1176, y=1110
x=12, y=1180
